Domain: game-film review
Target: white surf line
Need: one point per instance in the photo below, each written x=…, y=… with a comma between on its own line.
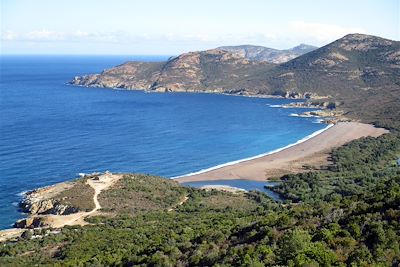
x=257, y=156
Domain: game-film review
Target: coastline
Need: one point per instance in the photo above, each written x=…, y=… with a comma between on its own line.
x=310, y=151
x=270, y=164
x=147, y=91
x=304, y=139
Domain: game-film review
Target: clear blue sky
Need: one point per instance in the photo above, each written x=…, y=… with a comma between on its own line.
x=174, y=26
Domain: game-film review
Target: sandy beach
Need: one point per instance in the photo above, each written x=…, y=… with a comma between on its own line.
x=312, y=152
x=225, y=188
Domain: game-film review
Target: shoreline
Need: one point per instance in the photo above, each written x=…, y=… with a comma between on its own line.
x=147, y=91
x=310, y=151
x=304, y=139
x=302, y=151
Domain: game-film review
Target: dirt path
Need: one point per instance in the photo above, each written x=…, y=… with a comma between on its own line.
x=57, y=221
x=105, y=181
x=180, y=203
x=102, y=183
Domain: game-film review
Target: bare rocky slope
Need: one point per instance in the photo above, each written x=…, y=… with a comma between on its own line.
x=210, y=71
x=361, y=72
x=261, y=53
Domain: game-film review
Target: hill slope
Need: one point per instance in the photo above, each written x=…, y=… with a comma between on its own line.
x=211, y=70
x=355, y=71
x=261, y=53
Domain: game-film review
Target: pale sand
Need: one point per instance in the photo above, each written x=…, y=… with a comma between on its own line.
x=186, y=198
x=10, y=233
x=313, y=151
x=225, y=188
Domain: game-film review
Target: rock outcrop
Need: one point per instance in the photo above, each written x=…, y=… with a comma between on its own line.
x=130, y=75
x=34, y=205
x=213, y=71
x=30, y=222
x=47, y=200
x=261, y=53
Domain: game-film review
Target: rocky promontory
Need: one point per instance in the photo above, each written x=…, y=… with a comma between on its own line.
x=59, y=199
x=41, y=201
x=213, y=71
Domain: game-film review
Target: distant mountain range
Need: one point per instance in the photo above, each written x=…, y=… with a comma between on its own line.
x=261, y=53
x=359, y=72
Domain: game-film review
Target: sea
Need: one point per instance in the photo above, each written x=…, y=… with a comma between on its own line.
x=51, y=131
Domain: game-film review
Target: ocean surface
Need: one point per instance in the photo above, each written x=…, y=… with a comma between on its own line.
x=51, y=131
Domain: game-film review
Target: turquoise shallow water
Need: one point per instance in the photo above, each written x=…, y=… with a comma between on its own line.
x=51, y=131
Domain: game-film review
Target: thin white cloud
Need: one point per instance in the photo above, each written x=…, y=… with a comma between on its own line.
x=322, y=32
x=80, y=33
x=9, y=36
x=45, y=35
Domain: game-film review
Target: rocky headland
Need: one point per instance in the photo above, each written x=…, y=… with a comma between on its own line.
x=65, y=203
x=352, y=68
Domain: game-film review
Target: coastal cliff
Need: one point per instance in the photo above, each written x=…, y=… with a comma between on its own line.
x=60, y=199
x=213, y=71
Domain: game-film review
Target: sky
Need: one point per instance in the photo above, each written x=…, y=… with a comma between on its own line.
x=171, y=27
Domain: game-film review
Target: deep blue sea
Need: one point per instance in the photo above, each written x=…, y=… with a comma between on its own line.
x=50, y=131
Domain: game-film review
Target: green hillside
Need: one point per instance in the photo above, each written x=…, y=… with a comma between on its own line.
x=357, y=70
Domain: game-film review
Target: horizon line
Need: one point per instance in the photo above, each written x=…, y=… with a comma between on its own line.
x=56, y=54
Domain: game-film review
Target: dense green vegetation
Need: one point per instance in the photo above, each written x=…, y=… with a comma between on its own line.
x=346, y=216
x=143, y=192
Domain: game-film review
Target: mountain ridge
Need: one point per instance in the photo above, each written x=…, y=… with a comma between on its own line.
x=272, y=55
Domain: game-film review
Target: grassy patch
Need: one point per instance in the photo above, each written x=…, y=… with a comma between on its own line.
x=135, y=193
x=79, y=196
